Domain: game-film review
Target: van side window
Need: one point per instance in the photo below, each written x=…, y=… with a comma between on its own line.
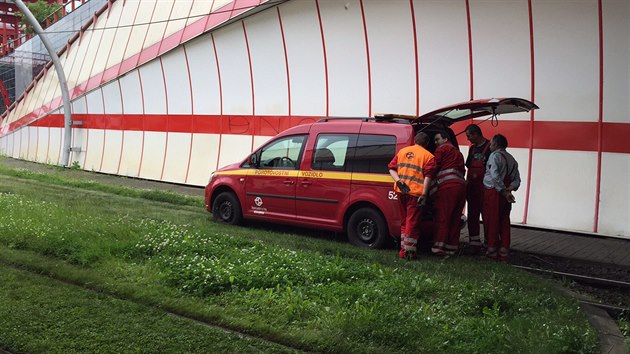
x=283, y=154
x=373, y=152
x=331, y=151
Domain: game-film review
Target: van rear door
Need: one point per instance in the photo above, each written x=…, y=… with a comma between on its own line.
x=477, y=109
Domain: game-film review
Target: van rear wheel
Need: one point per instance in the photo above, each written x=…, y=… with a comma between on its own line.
x=227, y=209
x=367, y=228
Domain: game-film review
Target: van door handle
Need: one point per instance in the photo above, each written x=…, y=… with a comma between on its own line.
x=306, y=182
x=289, y=182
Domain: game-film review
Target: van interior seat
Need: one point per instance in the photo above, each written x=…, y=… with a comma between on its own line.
x=324, y=160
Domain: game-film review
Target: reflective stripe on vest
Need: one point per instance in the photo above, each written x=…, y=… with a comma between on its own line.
x=450, y=174
x=411, y=161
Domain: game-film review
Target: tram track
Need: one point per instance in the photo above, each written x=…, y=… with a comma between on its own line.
x=610, y=295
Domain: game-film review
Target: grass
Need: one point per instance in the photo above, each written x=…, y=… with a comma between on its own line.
x=306, y=293
x=80, y=321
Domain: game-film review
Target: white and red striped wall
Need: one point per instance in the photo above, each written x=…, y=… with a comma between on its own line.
x=175, y=100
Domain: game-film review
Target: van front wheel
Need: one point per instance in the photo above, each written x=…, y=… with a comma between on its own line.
x=367, y=228
x=226, y=208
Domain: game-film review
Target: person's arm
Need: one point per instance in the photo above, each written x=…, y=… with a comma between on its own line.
x=495, y=168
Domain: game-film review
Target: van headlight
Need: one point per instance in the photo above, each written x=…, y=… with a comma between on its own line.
x=211, y=177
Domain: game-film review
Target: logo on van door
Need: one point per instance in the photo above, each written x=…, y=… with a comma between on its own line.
x=258, y=201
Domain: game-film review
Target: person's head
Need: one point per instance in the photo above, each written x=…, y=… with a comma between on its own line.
x=498, y=142
x=421, y=139
x=474, y=134
x=440, y=138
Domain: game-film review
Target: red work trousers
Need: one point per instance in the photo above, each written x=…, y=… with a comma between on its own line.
x=410, y=217
x=449, y=203
x=496, y=221
x=474, y=197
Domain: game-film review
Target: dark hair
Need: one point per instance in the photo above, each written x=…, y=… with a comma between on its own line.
x=500, y=140
x=421, y=139
x=442, y=134
x=474, y=129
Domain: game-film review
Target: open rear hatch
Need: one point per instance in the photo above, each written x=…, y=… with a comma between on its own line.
x=476, y=109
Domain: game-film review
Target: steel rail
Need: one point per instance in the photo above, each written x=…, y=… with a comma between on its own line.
x=579, y=277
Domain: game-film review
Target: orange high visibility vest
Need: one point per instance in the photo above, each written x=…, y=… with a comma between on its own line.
x=411, y=162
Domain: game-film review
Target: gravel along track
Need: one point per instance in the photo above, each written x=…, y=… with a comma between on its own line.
x=615, y=293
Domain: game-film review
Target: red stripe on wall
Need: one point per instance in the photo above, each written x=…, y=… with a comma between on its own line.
x=574, y=136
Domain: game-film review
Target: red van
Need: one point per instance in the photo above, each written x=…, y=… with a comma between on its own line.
x=333, y=174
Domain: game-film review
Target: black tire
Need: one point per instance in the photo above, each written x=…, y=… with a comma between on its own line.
x=227, y=209
x=367, y=228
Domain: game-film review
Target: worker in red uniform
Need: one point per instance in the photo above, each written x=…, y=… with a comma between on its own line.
x=407, y=169
x=478, y=154
x=500, y=180
x=450, y=197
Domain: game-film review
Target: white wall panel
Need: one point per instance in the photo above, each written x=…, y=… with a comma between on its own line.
x=268, y=64
x=79, y=106
x=139, y=32
x=94, y=101
x=347, y=57
x=109, y=27
x=614, y=212
x=158, y=24
x=23, y=143
x=566, y=56
x=76, y=70
x=204, y=76
x=442, y=53
x=42, y=144
x=80, y=139
x=234, y=148
x=204, y=157
x=92, y=51
x=33, y=139
x=123, y=32
x=112, y=99
x=153, y=158
x=305, y=55
x=153, y=88
x=94, y=152
x=177, y=83
x=560, y=182
x=176, y=163
x=112, y=146
x=11, y=144
x=54, y=147
x=616, y=26
x=392, y=56
x=131, y=152
x=131, y=93
x=178, y=16
x=234, y=66
x=518, y=209
x=501, y=50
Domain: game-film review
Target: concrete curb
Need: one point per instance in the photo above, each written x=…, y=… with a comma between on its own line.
x=611, y=339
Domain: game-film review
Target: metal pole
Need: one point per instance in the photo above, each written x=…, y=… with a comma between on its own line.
x=67, y=125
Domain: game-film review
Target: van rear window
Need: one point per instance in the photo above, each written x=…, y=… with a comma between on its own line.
x=372, y=153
